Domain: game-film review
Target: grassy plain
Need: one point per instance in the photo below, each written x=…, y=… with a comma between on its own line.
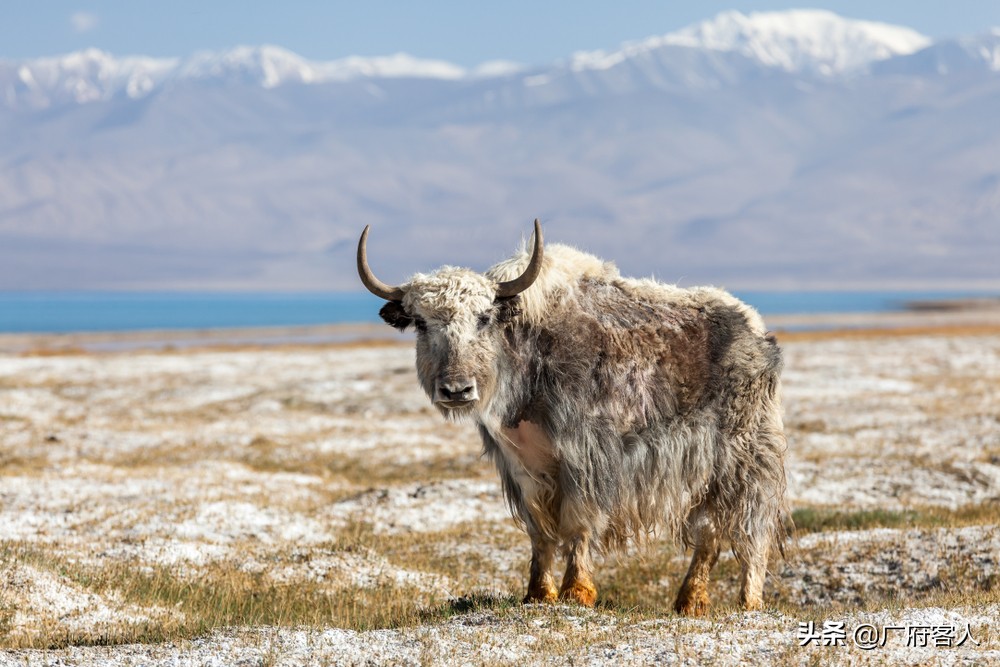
x=294, y=504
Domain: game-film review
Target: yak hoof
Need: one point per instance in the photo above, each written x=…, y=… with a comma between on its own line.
x=541, y=594
x=580, y=592
x=693, y=602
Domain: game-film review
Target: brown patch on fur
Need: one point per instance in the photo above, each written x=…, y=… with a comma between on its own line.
x=688, y=364
x=541, y=585
x=693, y=600
x=577, y=585
x=531, y=446
x=543, y=506
x=580, y=591
x=530, y=451
x=542, y=590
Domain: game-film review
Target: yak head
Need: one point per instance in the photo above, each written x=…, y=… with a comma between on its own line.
x=459, y=316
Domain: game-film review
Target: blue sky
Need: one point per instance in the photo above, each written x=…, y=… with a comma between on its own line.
x=461, y=31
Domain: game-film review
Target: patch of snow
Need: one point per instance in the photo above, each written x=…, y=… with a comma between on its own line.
x=485, y=637
x=497, y=68
x=41, y=598
x=399, y=65
x=888, y=484
x=229, y=521
x=86, y=76
x=801, y=40
x=428, y=507
x=357, y=570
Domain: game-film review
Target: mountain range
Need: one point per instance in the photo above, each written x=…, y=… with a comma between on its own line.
x=794, y=149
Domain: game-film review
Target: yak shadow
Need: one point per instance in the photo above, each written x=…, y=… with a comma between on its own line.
x=470, y=605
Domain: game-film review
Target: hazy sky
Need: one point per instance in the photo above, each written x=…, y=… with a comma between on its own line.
x=461, y=31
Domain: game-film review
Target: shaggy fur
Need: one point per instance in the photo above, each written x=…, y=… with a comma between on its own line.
x=613, y=408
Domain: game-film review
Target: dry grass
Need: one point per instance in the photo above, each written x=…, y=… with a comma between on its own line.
x=226, y=595
x=181, y=495
x=829, y=519
x=220, y=596
x=267, y=455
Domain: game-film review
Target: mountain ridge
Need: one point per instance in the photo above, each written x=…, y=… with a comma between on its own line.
x=695, y=165
x=802, y=41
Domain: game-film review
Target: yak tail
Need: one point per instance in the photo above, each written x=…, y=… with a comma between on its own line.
x=751, y=481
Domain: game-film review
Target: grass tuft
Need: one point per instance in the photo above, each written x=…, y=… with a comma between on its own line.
x=219, y=596
x=827, y=519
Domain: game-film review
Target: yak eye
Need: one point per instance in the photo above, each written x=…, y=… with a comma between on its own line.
x=483, y=320
x=420, y=324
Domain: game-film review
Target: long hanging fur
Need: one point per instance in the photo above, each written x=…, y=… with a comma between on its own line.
x=658, y=400
x=655, y=406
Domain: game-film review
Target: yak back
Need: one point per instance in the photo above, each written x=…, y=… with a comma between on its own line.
x=626, y=351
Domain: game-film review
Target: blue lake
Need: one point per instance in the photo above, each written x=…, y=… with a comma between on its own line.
x=61, y=312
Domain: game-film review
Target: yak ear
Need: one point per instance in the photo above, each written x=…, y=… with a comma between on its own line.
x=507, y=308
x=395, y=315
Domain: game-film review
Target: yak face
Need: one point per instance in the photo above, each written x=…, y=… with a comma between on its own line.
x=458, y=320
x=459, y=316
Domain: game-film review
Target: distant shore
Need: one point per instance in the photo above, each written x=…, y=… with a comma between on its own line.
x=971, y=315
x=944, y=315
x=167, y=339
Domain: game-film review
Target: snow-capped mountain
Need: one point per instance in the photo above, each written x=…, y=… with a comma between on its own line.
x=805, y=40
x=271, y=66
x=85, y=76
x=93, y=75
x=798, y=41
x=775, y=149
x=969, y=53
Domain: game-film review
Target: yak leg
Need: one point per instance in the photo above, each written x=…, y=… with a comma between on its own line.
x=752, y=571
x=764, y=512
x=541, y=585
x=692, y=599
x=577, y=585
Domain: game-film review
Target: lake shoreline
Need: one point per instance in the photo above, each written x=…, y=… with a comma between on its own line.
x=951, y=318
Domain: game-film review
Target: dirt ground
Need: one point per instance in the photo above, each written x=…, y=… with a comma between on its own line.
x=303, y=504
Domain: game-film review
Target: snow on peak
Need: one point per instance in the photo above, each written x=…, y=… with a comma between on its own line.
x=810, y=41
x=497, y=68
x=82, y=76
x=984, y=48
x=399, y=65
x=950, y=56
x=92, y=75
x=798, y=40
x=272, y=66
x=267, y=65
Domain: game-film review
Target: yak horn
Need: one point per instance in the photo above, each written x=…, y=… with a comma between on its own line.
x=374, y=285
x=513, y=287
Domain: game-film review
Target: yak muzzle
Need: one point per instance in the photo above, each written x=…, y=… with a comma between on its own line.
x=456, y=393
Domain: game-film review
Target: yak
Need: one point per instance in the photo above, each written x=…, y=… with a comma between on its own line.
x=613, y=409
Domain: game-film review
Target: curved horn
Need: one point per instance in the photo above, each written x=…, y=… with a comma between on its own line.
x=374, y=285
x=509, y=288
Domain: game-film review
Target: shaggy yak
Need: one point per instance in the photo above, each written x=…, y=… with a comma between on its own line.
x=613, y=408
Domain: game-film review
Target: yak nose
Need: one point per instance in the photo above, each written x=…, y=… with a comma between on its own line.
x=456, y=391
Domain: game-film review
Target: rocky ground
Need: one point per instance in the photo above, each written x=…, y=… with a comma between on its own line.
x=304, y=505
